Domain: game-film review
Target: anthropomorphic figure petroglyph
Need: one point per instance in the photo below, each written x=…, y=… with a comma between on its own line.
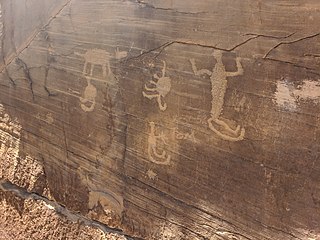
x=88, y=101
x=100, y=57
x=152, y=147
x=161, y=88
x=218, y=77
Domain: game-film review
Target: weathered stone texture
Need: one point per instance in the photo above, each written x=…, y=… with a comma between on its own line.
x=34, y=219
x=167, y=119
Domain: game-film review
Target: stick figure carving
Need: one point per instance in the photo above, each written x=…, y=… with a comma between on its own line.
x=161, y=88
x=89, y=97
x=152, y=147
x=218, y=78
x=99, y=57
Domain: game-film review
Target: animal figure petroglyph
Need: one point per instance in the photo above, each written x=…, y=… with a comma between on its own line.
x=161, y=88
x=152, y=147
x=218, y=77
x=99, y=57
x=89, y=97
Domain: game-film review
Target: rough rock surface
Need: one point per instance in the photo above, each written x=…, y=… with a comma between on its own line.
x=35, y=219
x=165, y=119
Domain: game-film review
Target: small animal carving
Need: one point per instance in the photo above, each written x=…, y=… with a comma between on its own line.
x=152, y=147
x=218, y=77
x=161, y=88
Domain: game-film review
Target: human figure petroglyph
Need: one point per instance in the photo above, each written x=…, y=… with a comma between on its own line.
x=99, y=57
x=218, y=77
x=161, y=88
x=152, y=147
x=88, y=101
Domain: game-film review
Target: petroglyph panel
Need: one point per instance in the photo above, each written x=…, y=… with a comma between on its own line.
x=167, y=119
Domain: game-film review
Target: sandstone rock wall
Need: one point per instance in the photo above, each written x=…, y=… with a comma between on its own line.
x=166, y=119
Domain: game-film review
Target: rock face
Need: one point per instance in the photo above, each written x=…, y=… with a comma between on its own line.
x=35, y=219
x=164, y=119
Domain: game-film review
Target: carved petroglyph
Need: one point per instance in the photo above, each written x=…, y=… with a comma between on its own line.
x=188, y=136
x=88, y=101
x=99, y=57
x=199, y=118
x=218, y=77
x=153, y=140
x=96, y=57
x=161, y=88
x=108, y=200
x=151, y=174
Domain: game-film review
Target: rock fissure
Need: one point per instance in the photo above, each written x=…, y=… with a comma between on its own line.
x=6, y=186
x=191, y=43
x=148, y=5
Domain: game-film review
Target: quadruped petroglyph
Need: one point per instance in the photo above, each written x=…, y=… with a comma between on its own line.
x=153, y=153
x=88, y=101
x=161, y=88
x=218, y=78
x=99, y=57
x=96, y=57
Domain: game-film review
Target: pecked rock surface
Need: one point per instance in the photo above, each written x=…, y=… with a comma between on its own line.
x=161, y=119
